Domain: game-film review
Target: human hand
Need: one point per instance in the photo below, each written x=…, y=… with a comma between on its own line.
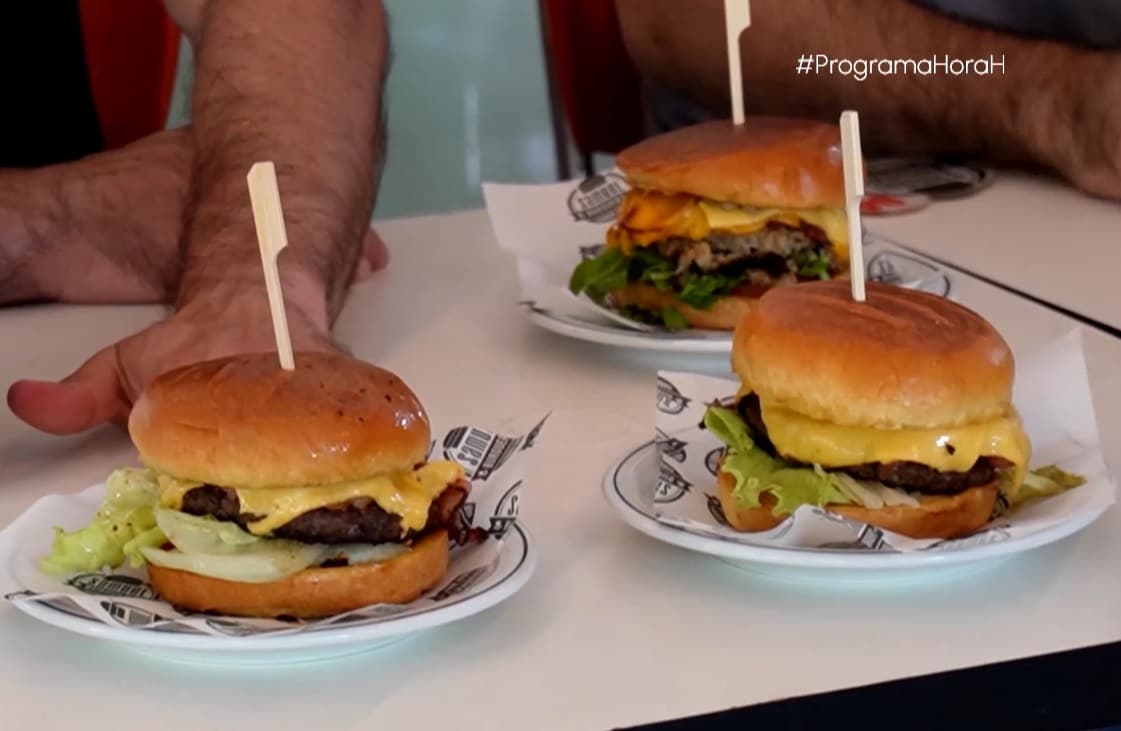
x=105, y=387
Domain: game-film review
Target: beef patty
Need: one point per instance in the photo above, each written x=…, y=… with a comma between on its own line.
x=356, y=521
x=912, y=476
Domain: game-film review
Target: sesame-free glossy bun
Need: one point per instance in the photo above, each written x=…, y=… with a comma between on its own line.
x=244, y=422
x=311, y=593
x=768, y=162
x=901, y=359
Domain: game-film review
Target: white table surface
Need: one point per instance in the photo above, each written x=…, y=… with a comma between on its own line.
x=615, y=628
x=1034, y=234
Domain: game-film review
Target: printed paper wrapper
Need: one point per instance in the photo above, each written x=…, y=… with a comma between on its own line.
x=494, y=463
x=549, y=228
x=1051, y=392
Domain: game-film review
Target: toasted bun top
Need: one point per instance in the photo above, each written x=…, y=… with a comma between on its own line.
x=767, y=162
x=245, y=422
x=901, y=359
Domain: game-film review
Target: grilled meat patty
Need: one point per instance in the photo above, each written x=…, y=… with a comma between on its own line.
x=777, y=249
x=355, y=521
x=911, y=476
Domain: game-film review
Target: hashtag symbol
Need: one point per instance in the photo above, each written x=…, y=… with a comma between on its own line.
x=805, y=63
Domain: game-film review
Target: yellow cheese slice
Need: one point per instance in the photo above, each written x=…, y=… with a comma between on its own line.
x=405, y=494
x=953, y=449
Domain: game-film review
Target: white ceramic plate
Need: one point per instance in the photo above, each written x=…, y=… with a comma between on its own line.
x=584, y=323
x=485, y=587
x=629, y=479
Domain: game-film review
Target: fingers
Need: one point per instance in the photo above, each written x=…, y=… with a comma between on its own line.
x=375, y=256
x=90, y=396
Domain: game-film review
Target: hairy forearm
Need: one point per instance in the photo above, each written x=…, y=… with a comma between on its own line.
x=101, y=229
x=298, y=84
x=1004, y=117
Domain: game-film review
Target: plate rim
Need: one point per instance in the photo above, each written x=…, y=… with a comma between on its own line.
x=817, y=559
x=593, y=333
x=505, y=587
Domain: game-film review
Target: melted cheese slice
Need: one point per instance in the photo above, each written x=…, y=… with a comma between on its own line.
x=954, y=449
x=405, y=494
x=646, y=217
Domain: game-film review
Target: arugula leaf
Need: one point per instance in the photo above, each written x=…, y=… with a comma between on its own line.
x=647, y=265
x=813, y=263
x=672, y=319
x=700, y=290
x=600, y=276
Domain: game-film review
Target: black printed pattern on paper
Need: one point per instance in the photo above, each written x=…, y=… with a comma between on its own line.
x=672, y=486
x=117, y=585
x=712, y=460
x=534, y=433
x=479, y=450
x=889, y=267
x=716, y=510
x=596, y=199
x=505, y=512
x=984, y=537
x=671, y=447
x=870, y=538
x=130, y=615
x=461, y=583
x=591, y=251
x=670, y=399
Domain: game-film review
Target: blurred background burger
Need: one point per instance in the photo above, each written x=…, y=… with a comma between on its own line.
x=716, y=216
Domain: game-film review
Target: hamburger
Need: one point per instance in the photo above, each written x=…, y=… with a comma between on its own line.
x=894, y=412
x=716, y=216
x=272, y=493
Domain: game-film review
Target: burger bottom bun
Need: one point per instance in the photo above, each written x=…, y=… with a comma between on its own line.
x=725, y=313
x=936, y=516
x=747, y=520
x=312, y=593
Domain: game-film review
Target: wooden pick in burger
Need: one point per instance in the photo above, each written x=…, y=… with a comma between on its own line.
x=853, y=162
x=272, y=237
x=737, y=18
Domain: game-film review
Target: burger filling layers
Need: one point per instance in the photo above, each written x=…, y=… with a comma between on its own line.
x=799, y=461
x=261, y=534
x=700, y=250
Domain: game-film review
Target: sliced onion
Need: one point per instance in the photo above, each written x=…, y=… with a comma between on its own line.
x=258, y=566
x=195, y=534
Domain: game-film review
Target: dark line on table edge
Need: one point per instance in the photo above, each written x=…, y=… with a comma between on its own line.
x=1088, y=321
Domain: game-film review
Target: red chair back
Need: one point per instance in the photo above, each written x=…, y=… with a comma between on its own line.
x=132, y=51
x=598, y=86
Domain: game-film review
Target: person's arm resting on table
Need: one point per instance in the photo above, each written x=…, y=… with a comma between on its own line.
x=298, y=83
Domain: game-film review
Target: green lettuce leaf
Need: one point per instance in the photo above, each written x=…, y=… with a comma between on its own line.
x=727, y=426
x=600, y=276
x=1044, y=482
x=123, y=524
x=757, y=472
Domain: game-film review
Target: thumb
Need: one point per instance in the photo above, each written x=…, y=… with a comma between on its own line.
x=86, y=398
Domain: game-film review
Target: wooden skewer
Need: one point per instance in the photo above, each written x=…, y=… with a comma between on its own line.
x=272, y=237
